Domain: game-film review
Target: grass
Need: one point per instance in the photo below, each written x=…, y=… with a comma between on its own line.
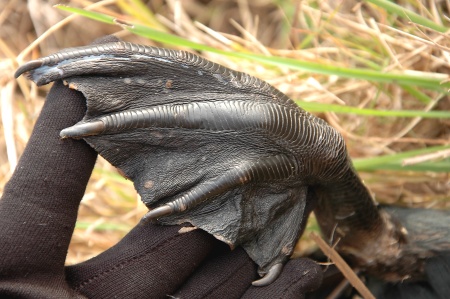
x=375, y=70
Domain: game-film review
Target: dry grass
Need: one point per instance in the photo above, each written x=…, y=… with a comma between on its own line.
x=353, y=34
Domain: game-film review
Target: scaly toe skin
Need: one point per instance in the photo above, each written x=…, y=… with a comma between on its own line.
x=270, y=276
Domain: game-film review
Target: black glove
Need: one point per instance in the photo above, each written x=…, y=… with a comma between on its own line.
x=38, y=211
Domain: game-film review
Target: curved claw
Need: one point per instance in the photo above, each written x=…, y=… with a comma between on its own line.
x=31, y=65
x=270, y=276
x=158, y=212
x=83, y=129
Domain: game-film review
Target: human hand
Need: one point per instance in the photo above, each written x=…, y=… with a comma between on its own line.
x=38, y=213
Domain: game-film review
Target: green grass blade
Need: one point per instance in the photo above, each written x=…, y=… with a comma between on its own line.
x=169, y=39
x=137, y=10
x=412, y=90
x=442, y=166
x=431, y=81
x=321, y=107
x=88, y=14
x=395, y=162
x=391, y=7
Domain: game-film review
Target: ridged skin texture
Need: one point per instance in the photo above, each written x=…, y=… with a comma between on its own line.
x=217, y=148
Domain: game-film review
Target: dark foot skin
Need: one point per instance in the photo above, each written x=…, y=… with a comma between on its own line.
x=217, y=148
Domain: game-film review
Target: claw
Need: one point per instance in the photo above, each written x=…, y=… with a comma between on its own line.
x=270, y=276
x=83, y=129
x=31, y=65
x=158, y=212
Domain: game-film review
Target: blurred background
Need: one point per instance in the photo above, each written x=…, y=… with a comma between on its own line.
x=375, y=70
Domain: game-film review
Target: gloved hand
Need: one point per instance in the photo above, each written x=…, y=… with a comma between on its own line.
x=38, y=211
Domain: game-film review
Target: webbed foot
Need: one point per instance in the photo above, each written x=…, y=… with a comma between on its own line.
x=202, y=143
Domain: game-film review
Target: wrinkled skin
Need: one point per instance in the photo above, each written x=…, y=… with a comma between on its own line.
x=234, y=156
x=217, y=148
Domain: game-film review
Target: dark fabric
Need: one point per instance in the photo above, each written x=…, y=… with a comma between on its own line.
x=39, y=206
x=437, y=270
x=223, y=270
x=151, y=259
x=435, y=286
x=38, y=211
x=298, y=277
